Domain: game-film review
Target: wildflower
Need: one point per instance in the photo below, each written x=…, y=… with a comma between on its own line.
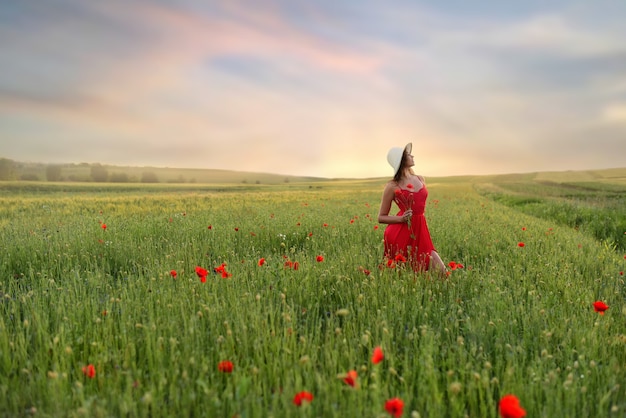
x=600, y=307
x=225, y=366
x=409, y=186
x=221, y=269
x=89, y=371
x=325, y=225
x=210, y=227
x=454, y=265
x=302, y=396
x=292, y=264
x=173, y=273
x=236, y=229
x=395, y=407
x=375, y=227
x=319, y=258
x=521, y=244
x=202, y=273
x=510, y=408
x=261, y=261
x=350, y=378
x=104, y=227
x=378, y=355
x=523, y=228
x=400, y=258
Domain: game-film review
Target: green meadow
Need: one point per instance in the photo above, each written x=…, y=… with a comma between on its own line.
x=103, y=312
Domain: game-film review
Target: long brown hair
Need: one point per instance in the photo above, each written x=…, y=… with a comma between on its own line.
x=400, y=173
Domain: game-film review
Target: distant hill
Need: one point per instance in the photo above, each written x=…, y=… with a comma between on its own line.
x=85, y=172
x=608, y=175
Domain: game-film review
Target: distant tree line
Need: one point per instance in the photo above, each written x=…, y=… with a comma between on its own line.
x=12, y=170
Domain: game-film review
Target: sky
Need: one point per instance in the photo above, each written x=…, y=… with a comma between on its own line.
x=315, y=88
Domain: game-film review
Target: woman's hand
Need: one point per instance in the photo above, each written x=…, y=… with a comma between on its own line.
x=406, y=217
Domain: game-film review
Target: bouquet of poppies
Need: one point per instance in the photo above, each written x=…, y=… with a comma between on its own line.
x=405, y=201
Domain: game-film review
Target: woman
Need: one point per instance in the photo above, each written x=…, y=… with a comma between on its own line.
x=406, y=235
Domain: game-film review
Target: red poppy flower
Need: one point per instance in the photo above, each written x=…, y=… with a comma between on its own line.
x=302, y=396
x=523, y=228
x=89, y=371
x=221, y=269
x=210, y=227
x=400, y=258
x=225, y=366
x=173, y=273
x=201, y=272
x=510, y=408
x=350, y=378
x=397, y=192
x=378, y=355
x=351, y=221
x=261, y=261
x=394, y=406
x=310, y=234
x=292, y=264
x=390, y=263
x=236, y=229
x=375, y=227
x=452, y=265
x=104, y=227
x=600, y=307
x=325, y=225
x=319, y=258
x=520, y=244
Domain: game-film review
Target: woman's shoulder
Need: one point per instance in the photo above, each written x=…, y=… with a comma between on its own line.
x=391, y=186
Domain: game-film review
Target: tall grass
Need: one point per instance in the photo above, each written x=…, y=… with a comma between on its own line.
x=513, y=320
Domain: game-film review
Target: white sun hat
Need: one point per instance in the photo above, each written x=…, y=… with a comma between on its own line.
x=394, y=156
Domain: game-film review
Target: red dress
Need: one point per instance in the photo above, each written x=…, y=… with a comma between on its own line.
x=415, y=243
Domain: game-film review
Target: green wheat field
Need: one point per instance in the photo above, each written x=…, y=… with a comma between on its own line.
x=103, y=312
